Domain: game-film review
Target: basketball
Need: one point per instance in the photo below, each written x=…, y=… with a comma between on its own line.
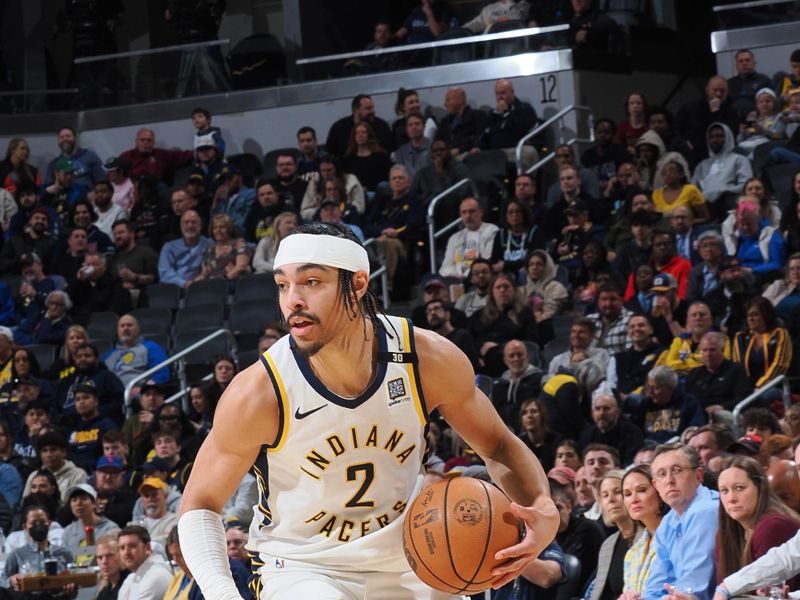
x=452, y=531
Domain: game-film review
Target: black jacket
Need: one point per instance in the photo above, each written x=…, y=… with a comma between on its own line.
x=727, y=387
x=464, y=131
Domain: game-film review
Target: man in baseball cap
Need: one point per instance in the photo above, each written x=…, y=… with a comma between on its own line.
x=158, y=520
x=668, y=312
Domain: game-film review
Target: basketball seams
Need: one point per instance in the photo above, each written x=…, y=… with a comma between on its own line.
x=486, y=543
x=418, y=557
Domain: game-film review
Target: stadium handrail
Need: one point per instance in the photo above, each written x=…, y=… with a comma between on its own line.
x=544, y=125
x=751, y=4
x=174, y=358
x=148, y=51
x=780, y=379
x=432, y=233
x=383, y=274
x=484, y=37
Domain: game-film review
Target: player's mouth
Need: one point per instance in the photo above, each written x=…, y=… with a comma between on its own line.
x=301, y=326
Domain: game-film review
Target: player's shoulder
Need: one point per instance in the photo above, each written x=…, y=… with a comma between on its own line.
x=441, y=363
x=250, y=399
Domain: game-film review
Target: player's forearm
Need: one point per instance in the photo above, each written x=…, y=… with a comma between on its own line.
x=518, y=472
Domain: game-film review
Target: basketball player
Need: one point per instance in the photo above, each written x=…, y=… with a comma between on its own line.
x=333, y=422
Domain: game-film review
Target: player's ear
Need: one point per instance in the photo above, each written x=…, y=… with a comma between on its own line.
x=360, y=283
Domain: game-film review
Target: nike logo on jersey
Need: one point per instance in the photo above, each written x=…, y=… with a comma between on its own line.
x=303, y=415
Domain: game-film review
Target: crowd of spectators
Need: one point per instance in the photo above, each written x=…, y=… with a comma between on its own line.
x=616, y=312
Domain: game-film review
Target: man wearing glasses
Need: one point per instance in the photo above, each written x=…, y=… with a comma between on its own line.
x=687, y=534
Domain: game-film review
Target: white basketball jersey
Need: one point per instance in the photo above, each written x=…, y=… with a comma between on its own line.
x=335, y=484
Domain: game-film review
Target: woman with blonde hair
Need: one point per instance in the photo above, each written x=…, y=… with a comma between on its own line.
x=229, y=256
x=645, y=508
x=64, y=364
x=284, y=223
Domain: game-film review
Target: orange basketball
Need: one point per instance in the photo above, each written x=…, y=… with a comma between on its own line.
x=452, y=531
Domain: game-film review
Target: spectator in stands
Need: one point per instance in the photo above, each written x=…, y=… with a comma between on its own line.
x=228, y=257
x=133, y=355
x=438, y=314
x=236, y=536
x=695, y=117
x=88, y=168
x=424, y=23
x=504, y=318
x=520, y=381
x=82, y=502
x=577, y=536
x=363, y=111
x=160, y=163
x=785, y=482
x=722, y=175
x=743, y=87
x=611, y=320
x=711, y=441
x=639, y=250
x=224, y=372
x=290, y=187
x=70, y=262
x=96, y=289
x=605, y=157
x=571, y=192
x=610, y=428
x=509, y=121
x=462, y=127
x=546, y=296
x=704, y=277
x=478, y=278
x=149, y=214
x=416, y=153
x=627, y=370
x=678, y=192
x=534, y=431
x=444, y=171
x=366, y=158
x=150, y=574
x=158, y=520
x=517, y=236
x=758, y=245
x=106, y=211
x=34, y=239
x=52, y=449
x=784, y=294
x=635, y=123
x=684, y=351
x=685, y=539
x=408, y=104
x=719, y=383
x=15, y=168
x=593, y=270
x=760, y=422
x=589, y=27
x=753, y=520
x=498, y=12
x=330, y=211
x=764, y=349
x=660, y=120
x=89, y=370
x=609, y=580
x=666, y=261
x=666, y=409
x=768, y=207
x=645, y=507
x=65, y=362
x=475, y=240
x=395, y=220
x=525, y=192
x=268, y=205
x=118, y=175
x=202, y=410
x=115, y=499
x=85, y=437
x=310, y=154
x=109, y=562
x=568, y=455
x=82, y=214
x=636, y=200
x=53, y=324
x=36, y=522
x=598, y=459
x=151, y=399
x=136, y=264
x=267, y=247
x=565, y=156
x=728, y=301
x=315, y=192
x=33, y=291
x=791, y=421
x=231, y=197
x=180, y=202
x=621, y=188
x=181, y=260
x=581, y=348
x=792, y=80
x=27, y=200
x=763, y=125
x=584, y=492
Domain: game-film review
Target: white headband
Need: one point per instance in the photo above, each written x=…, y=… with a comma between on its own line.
x=321, y=250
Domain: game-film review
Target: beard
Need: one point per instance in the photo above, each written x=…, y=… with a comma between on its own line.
x=67, y=147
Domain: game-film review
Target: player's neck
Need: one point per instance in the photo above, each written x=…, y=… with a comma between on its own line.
x=346, y=364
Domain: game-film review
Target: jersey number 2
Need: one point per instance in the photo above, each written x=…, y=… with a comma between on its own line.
x=368, y=469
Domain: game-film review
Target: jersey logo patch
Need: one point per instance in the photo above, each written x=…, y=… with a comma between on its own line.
x=397, y=388
x=302, y=415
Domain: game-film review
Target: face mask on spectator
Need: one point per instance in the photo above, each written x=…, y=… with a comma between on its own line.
x=38, y=532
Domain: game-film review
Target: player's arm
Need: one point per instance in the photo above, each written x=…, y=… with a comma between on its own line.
x=448, y=384
x=245, y=419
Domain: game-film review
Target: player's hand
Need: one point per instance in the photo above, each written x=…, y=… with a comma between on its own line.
x=674, y=593
x=541, y=525
x=630, y=596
